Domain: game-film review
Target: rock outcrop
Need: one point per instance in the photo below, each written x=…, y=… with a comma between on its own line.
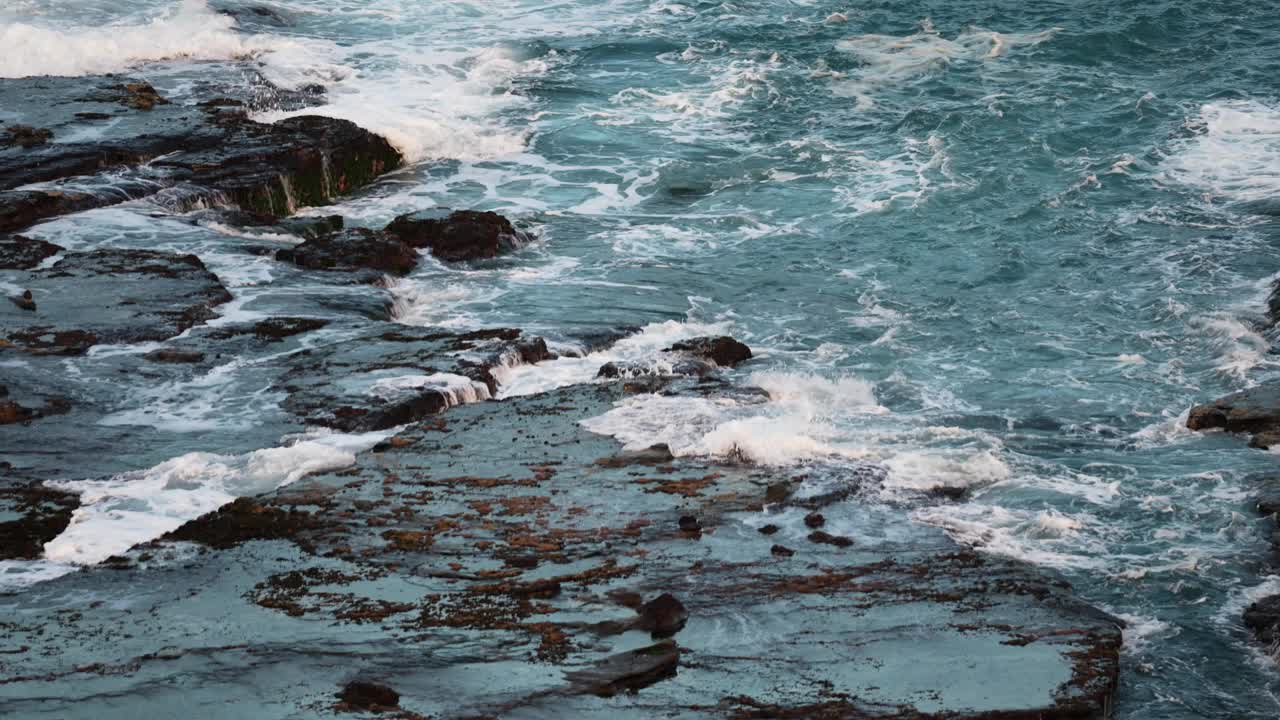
x=459, y=235
x=723, y=350
x=353, y=250
x=213, y=152
x=1255, y=411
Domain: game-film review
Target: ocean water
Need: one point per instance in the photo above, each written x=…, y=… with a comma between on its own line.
x=994, y=245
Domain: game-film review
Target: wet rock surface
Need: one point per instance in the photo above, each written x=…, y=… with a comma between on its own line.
x=1255, y=411
x=1263, y=618
x=214, y=152
x=352, y=251
x=111, y=296
x=458, y=235
x=24, y=136
x=392, y=375
x=723, y=351
x=489, y=544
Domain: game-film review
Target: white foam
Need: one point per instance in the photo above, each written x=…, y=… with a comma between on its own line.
x=807, y=418
x=457, y=389
x=935, y=468
x=1046, y=538
x=869, y=183
x=134, y=507
x=644, y=347
x=1141, y=630
x=189, y=29
x=1233, y=153
x=1241, y=348
x=429, y=103
x=890, y=61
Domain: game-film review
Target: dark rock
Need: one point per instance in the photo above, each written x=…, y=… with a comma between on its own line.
x=169, y=355
x=1265, y=439
x=948, y=492
x=243, y=520
x=627, y=598
x=781, y=551
x=312, y=226
x=24, y=301
x=270, y=330
x=23, y=253
x=254, y=14
x=1269, y=504
x=662, y=616
x=390, y=414
x=113, y=296
x=24, y=136
x=368, y=696
x=23, y=208
x=1263, y=618
x=277, y=329
x=777, y=493
x=823, y=538
x=723, y=351
x=659, y=454
x=689, y=523
x=463, y=235
x=270, y=169
x=599, y=339
x=1256, y=411
x=11, y=412
x=45, y=514
x=814, y=520
x=628, y=671
x=352, y=250
x=768, y=529
x=136, y=94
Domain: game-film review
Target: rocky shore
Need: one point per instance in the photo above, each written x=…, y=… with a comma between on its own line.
x=483, y=558
x=1256, y=413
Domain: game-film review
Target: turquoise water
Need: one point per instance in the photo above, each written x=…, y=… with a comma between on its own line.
x=987, y=245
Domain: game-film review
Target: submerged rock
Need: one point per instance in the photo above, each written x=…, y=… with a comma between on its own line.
x=12, y=412
x=169, y=355
x=25, y=136
x=253, y=14
x=353, y=250
x=659, y=454
x=112, y=296
x=135, y=94
x=462, y=235
x=389, y=377
x=1255, y=411
x=628, y=671
x=361, y=695
x=274, y=329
